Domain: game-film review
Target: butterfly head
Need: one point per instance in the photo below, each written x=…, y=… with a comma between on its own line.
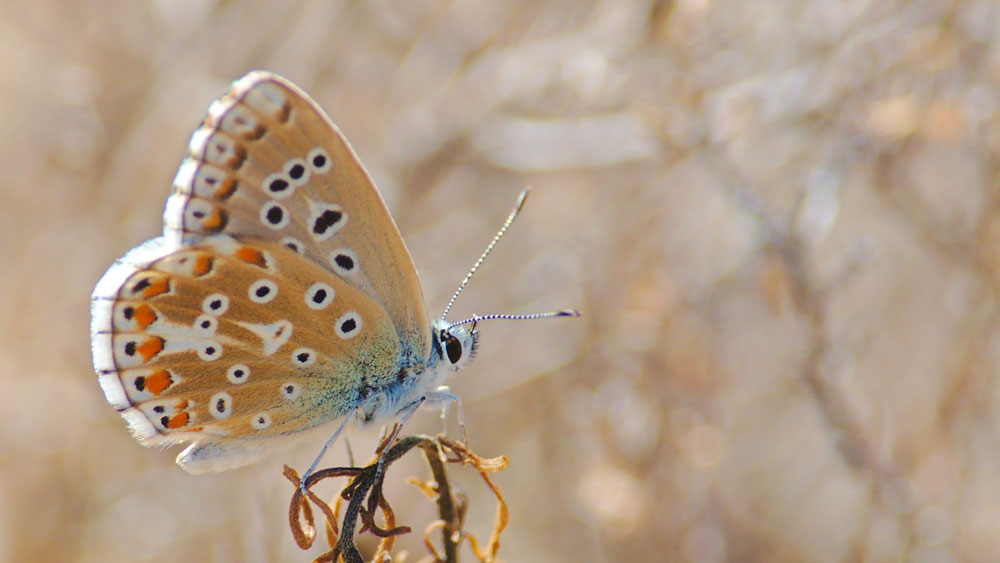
x=455, y=345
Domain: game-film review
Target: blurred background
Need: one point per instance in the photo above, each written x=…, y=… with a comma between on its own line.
x=780, y=220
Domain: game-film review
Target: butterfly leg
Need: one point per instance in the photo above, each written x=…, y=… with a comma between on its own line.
x=407, y=411
x=444, y=398
x=322, y=452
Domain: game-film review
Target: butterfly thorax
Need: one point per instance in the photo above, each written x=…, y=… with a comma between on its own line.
x=450, y=351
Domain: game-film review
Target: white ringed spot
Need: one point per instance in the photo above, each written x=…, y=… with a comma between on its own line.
x=319, y=295
x=274, y=215
x=215, y=304
x=344, y=261
x=238, y=373
x=260, y=421
x=325, y=219
x=319, y=160
x=304, y=357
x=206, y=324
x=209, y=351
x=290, y=390
x=278, y=185
x=262, y=291
x=297, y=171
x=348, y=325
x=220, y=405
x=294, y=244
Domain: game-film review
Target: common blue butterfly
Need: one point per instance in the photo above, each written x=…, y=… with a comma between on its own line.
x=280, y=298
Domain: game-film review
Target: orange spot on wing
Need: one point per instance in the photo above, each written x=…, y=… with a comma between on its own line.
x=251, y=256
x=179, y=420
x=158, y=381
x=181, y=405
x=144, y=315
x=151, y=347
x=202, y=265
x=155, y=287
x=215, y=221
x=226, y=188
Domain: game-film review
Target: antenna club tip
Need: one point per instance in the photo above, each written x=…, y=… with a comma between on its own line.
x=521, y=198
x=568, y=313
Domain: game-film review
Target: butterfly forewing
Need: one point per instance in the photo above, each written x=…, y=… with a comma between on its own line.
x=268, y=163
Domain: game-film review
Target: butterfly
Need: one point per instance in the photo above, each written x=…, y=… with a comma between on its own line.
x=280, y=299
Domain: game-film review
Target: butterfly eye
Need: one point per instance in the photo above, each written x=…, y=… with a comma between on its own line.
x=454, y=349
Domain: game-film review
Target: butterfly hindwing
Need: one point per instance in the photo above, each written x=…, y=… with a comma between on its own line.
x=224, y=339
x=268, y=163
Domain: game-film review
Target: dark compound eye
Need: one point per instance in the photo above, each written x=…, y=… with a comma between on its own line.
x=454, y=349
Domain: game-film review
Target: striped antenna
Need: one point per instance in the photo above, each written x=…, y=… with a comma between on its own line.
x=477, y=318
x=506, y=225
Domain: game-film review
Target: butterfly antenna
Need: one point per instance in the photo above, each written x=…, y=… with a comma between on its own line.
x=506, y=225
x=528, y=317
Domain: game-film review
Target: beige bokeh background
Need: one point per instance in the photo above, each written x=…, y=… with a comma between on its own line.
x=780, y=220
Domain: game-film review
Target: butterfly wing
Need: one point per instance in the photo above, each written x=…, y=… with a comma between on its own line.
x=210, y=343
x=268, y=163
x=219, y=333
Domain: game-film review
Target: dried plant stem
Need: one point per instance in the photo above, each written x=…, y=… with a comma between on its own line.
x=364, y=497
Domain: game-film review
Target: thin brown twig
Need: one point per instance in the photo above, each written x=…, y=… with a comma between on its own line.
x=364, y=496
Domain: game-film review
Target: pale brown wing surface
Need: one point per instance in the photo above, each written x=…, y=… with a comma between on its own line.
x=268, y=163
x=228, y=340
